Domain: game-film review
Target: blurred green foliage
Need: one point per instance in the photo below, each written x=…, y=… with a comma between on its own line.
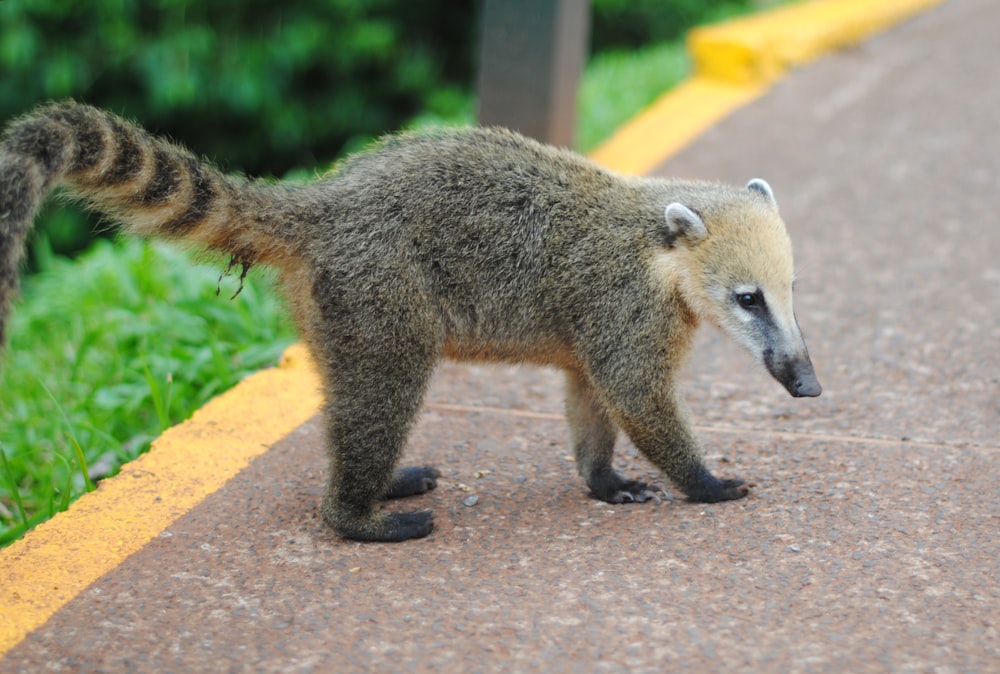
x=258, y=86
x=263, y=86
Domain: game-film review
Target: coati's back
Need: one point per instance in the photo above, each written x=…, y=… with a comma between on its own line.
x=504, y=231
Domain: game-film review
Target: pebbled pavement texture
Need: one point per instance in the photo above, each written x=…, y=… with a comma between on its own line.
x=869, y=545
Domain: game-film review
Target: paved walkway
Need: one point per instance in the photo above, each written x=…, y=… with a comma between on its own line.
x=870, y=544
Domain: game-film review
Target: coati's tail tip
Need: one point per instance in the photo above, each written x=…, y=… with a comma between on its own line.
x=22, y=187
x=36, y=152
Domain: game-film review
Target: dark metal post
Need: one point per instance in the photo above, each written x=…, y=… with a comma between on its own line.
x=531, y=55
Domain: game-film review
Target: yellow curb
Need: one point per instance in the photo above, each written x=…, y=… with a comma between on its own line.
x=761, y=47
x=735, y=62
x=58, y=559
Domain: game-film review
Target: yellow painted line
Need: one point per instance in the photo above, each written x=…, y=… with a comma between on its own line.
x=762, y=47
x=58, y=559
x=735, y=63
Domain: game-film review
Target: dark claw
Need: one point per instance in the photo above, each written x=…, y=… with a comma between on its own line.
x=410, y=525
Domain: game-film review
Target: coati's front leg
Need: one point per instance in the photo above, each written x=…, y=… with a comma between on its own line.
x=593, y=435
x=642, y=401
x=666, y=439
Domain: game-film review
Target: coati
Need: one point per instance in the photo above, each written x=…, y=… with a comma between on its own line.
x=474, y=244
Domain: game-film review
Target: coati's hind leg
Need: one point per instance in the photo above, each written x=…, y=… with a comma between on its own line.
x=367, y=424
x=593, y=435
x=374, y=388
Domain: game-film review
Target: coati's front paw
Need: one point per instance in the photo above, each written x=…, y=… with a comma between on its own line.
x=707, y=488
x=382, y=527
x=413, y=481
x=611, y=487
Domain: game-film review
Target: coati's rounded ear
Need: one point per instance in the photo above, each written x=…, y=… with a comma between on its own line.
x=761, y=186
x=683, y=223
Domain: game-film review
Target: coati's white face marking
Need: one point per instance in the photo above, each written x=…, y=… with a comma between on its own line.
x=736, y=271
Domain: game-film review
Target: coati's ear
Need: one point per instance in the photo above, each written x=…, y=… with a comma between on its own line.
x=683, y=223
x=761, y=186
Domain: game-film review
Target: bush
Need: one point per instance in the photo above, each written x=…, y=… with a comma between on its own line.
x=264, y=86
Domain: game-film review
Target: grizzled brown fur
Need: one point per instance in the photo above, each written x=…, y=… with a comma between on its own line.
x=472, y=244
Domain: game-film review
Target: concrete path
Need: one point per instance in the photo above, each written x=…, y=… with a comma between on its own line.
x=869, y=545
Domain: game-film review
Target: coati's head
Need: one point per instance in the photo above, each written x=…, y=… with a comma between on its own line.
x=732, y=260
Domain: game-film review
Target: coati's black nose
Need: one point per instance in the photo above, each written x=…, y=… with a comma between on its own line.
x=807, y=387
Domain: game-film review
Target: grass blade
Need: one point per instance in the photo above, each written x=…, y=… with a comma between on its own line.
x=76, y=445
x=82, y=461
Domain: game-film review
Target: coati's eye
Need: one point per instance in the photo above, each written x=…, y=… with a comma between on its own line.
x=750, y=301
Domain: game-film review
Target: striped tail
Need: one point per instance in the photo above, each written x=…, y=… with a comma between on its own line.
x=146, y=184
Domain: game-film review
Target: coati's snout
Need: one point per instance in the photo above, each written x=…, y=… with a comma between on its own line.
x=795, y=373
x=783, y=352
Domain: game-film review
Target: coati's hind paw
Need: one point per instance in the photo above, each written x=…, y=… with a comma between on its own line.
x=361, y=524
x=611, y=487
x=384, y=527
x=710, y=489
x=413, y=481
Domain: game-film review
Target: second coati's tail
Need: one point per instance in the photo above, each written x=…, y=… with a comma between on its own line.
x=146, y=184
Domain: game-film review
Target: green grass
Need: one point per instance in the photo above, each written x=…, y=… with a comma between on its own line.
x=107, y=351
